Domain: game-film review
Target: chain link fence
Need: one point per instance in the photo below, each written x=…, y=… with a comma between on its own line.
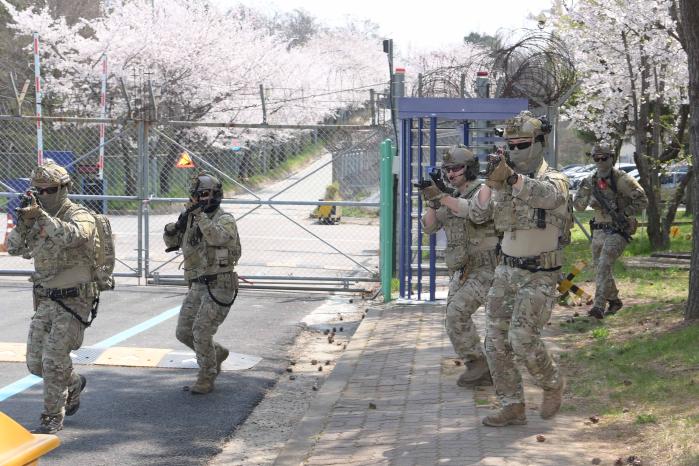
x=274, y=177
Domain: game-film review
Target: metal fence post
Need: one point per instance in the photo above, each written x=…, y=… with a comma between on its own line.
x=386, y=219
x=142, y=196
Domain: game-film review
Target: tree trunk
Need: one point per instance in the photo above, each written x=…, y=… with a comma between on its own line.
x=689, y=15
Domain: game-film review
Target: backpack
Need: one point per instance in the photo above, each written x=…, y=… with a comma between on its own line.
x=105, y=255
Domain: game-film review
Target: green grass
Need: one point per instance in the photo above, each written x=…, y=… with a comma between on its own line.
x=645, y=283
x=646, y=419
x=289, y=165
x=650, y=367
x=359, y=212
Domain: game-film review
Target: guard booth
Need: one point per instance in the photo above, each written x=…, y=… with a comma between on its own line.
x=428, y=126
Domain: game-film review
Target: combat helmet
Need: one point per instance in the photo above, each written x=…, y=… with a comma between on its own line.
x=461, y=156
x=53, y=183
x=204, y=182
x=50, y=174
x=602, y=148
x=526, y=125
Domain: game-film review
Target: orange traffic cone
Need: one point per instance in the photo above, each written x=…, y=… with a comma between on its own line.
x=8, y=229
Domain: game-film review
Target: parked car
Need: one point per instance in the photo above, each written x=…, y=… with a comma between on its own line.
x=669, y=181
x=627, y=167
x=576, y=177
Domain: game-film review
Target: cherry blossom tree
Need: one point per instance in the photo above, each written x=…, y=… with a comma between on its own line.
x=203, y=64
x=634, y=82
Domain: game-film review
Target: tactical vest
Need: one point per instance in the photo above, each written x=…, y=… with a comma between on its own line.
x=616, y=192
x=464, y=237
x=511, y=213
x=50, y=259
x=202, y=259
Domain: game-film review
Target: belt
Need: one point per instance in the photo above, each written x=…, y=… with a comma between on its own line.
x=601, y=226
x=86, y=289
x=205, y=278
x=530, y=263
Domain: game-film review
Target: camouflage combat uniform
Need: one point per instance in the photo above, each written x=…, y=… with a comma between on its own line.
x=211, y=249
x=63, y=248
x=623, y=193
x=523, y=292
x=470, y=259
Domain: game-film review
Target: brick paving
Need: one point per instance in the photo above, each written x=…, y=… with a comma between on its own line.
x=393, y=400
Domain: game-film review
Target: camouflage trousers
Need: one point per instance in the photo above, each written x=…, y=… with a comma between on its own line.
x=466, y=294
x=606, y=249
x=200, y=317
x=518, y=306
x=53, y=334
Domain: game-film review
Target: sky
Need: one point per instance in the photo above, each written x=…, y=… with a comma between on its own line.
x=430, y=26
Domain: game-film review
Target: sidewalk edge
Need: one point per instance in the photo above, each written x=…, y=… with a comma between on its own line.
x=304, y=437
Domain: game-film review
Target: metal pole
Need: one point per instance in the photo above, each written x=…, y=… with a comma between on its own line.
x=103, y=114
x=420, y=143
x=386, y=218
x=403, y=222
x=37, y=88
x=264, y=108
x=372, y=106
x=141, y=196
x=433, y=238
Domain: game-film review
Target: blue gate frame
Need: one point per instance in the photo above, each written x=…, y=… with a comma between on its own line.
x=415, y=137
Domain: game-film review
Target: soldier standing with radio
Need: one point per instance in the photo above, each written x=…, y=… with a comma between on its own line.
x=616, y=198
x=208, y=237
x=60, y=237
x=470, y=257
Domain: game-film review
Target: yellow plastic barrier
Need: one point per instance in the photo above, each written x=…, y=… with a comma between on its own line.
x=19, y=447
x=329, y=214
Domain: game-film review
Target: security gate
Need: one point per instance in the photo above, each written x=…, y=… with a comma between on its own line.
x=274, y=176
x=428, y=127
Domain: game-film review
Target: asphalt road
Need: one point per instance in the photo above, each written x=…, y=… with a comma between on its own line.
x=137, y=416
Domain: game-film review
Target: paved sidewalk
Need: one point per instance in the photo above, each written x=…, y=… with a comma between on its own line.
x=393, y=400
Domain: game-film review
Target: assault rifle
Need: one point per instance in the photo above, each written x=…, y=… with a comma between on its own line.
x=436, y=176
x=620, y=221
x=493, y=161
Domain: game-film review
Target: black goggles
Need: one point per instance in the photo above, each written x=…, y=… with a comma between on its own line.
x=601, y=157
x=519, y=145
x=49, y=190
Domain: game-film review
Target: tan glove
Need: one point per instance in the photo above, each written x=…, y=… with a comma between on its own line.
x=432, y=194
x=31, y=212
x=502, y=171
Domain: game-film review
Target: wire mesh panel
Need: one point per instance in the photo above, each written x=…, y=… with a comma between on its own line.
x=106, y=181
x=274, y=180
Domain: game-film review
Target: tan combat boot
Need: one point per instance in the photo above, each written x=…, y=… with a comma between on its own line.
x=73, y=400
x=476, y=373
x=509, y=415
x=221, y=355
x=49, y=424
x=203, y=386
x=552, y=401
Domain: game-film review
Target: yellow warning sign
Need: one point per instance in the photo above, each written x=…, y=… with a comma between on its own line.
x=185, y=161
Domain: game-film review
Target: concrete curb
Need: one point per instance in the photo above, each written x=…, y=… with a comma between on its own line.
x=302, y=441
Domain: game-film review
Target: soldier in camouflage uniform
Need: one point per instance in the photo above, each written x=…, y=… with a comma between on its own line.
x=60, y=237
x=470, y=258
x=210, y=245
x=626, y=197
x=528, y=201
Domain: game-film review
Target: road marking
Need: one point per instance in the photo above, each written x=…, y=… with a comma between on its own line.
x=22, y=384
